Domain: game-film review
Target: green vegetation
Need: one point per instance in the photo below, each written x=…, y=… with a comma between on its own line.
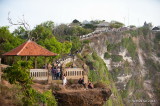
x=70, y=64
x=98, y=72
x=144, y=31
x=107, y=55
x=133, y=33
x=111, y=47
x=116, y=58
x=89, y=26
x=146, y=46
x=129, y=45
x=75, y=21
x=116, y=24
x=157, y=42
x=19, y=75
x=7, y=40
x=86, y=41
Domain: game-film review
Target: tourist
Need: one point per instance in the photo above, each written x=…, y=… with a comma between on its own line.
x=53, y=73
x=64, y=80
x=80, y=81
x=90, y=85
x=58, y=73
x=44, y=66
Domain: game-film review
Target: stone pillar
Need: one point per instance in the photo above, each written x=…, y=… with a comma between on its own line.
x=35, y=62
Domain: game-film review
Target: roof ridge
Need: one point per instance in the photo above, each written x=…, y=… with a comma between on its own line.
x=23, y=47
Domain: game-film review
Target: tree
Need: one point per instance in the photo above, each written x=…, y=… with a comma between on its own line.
x=20, y=32
x=21, y=22
x=62, y=29
x=94, y=22
x=19, y=75
x=89, y=26
x=76, y=44
x=116, y=24
x=48, y=24
x=57, y=47
x=75, y=21
x=7, y=40
x=41, y=32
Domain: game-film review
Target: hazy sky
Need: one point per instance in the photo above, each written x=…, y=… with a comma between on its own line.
x=64, y=11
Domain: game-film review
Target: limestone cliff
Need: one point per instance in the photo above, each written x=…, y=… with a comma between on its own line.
x=133, y=61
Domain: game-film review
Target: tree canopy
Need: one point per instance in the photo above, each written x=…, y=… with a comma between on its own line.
x=19, y=75
x=116, y=24
x=7, y=40
x=75, y=21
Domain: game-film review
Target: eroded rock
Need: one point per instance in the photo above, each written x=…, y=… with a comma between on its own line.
x=89, y=97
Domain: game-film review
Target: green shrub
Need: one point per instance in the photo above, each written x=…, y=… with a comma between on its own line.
x=107, y=55
x=86, y=41
x=129, y=45
x=19, y=75
x=49, y=98
x=144, y=30
x=133, y=32
x=116, y=58
x=69, y=64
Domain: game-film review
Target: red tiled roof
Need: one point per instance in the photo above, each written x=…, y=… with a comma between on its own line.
x=29, y=48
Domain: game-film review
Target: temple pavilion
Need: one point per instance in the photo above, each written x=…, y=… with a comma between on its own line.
x=31, y=48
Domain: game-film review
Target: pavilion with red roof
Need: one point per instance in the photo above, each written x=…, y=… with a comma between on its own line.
x=30, y=48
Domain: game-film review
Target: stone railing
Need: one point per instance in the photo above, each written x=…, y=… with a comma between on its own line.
x=74, y=73
x=39, y=74
x=94, y=33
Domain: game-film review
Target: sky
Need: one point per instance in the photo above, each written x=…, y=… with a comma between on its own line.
x=130, y=12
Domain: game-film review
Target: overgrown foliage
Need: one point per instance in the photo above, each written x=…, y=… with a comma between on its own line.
x=19, y=75
x=116, y=58
x=7, y=40
x=116, y=24
x=107, y=55
x=99, y=74
x=129, y=45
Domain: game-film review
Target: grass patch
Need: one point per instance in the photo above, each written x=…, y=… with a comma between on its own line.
x=129, y=45
x=107, y=55
x=116, y=58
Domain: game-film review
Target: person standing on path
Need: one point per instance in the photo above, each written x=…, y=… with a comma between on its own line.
x=64, y=80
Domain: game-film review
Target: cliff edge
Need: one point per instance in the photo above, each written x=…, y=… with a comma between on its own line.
x=89, y=97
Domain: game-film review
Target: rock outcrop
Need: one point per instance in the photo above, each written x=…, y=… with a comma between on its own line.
x=89, y=97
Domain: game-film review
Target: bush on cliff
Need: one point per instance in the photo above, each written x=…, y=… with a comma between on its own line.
x=19, y=75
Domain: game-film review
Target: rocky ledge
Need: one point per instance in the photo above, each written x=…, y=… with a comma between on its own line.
x=89, y=97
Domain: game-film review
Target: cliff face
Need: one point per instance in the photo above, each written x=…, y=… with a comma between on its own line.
x=133, y=61
x=90, y=97
x=128, y=62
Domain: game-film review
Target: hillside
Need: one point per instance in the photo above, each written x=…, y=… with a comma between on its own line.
x=129, y=63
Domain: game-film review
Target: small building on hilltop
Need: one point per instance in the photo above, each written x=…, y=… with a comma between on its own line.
x=102, y=27
x=156, y=28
